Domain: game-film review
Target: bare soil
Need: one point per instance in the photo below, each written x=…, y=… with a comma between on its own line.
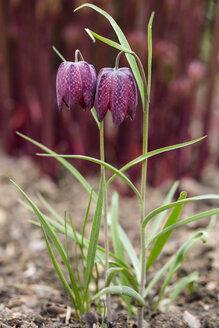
x=30, y=292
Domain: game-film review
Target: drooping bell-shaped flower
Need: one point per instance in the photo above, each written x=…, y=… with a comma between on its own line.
x=76, y=84
x=116, y=90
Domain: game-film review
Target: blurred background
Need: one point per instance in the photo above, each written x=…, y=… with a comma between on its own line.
x=184, y=101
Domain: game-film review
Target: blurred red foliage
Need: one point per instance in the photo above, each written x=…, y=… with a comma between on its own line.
x=28, y=69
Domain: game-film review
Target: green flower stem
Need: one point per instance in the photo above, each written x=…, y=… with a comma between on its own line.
x=143, y=188
x=102, y=157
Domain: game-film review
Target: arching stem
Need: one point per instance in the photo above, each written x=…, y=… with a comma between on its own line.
x=78, y=53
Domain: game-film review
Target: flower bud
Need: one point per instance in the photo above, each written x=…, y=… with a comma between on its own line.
x=116, y=90
x=76, y=84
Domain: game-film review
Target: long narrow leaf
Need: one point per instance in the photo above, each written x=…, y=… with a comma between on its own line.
x=185, y=221
x=124, y=43
x=154, y=153
x=58, y=227
x=58, y=270
x=181, y=253
x=149, y=54
x=181, y=284
x=108, y=41
x=121, y=290
x=177, y=203
x=55, y=240
x=161, y=241
x=157, y=277
x=50, y=209
x=178, y=260
x=117, y=245
x=65, y=163
x=160, y=217
x=97, y=161
x=94, y=236
x=111, y=272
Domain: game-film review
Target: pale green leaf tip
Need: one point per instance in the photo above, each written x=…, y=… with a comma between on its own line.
x=90, y=34
x=151, y=19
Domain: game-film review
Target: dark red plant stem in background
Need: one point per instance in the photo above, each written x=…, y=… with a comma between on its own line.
x=212, y=72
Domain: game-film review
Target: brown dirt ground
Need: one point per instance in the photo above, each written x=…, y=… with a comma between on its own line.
x=30, y=292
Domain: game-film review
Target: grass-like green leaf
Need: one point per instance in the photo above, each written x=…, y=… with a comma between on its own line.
x=117, y=244
x=161, y=241
x=50, y=209
x=160, y=217
x=169, y=264
x=193, y=218
x=76, y=255
x=121, y=290
x=93, y=242
x=179, y=259
x=59, y=227
x=56, y=242
x=112, y=271
x=177, y=203
x=149, y=54
x=154, y=153
x=108, y=41
x=120, y=239
x=157, y=277
x=124, y=43
x=59, y=272
x=181, y=284
x=85, y=219
x=65, y=163
x=97, y=161
x=130, y=252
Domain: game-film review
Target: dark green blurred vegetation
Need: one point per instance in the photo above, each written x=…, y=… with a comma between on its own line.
x=185, y=46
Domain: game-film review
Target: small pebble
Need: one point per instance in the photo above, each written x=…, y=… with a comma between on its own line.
x=191, y=320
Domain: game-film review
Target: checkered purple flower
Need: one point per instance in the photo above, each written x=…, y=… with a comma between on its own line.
x=116, y=90
x=76, y=84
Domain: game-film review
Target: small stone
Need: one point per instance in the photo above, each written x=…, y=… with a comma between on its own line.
x=191, y=320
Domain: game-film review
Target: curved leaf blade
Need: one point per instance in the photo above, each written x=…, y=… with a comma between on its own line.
x=65, y=163
x=181, y=284
x=161, y=241
x=94, y=236
x=97, y=161
x=186, y=221
x=159, y=219
x=177, y=203
x=178, y=260
x=121, y=290
x=154, y=153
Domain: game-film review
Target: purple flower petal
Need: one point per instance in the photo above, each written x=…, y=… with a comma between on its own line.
x=103, y=90
x=132, y=92
x=74, y=85
x=119, y=97
x=88, y=76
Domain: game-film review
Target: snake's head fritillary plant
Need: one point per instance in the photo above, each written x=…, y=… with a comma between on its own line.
x=76, y=84
x=116, y=90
